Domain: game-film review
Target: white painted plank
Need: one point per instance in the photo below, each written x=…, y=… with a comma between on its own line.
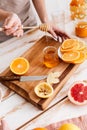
x=56, y=114
x=17, y=111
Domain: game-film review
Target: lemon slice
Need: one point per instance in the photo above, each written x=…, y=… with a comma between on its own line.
x=43, y=90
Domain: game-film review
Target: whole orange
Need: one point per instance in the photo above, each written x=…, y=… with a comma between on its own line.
x=40, y=128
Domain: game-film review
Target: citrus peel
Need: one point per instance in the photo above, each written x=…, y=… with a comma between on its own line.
x=53, y=78
x=43, y=90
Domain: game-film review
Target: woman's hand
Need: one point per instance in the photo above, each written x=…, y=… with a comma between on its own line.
x=4, y=125
x=12, y=25
x=58, y=34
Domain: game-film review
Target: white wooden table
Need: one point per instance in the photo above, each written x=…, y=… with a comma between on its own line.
x=19, y=113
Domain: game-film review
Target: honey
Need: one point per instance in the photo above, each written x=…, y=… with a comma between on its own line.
x=50, y=57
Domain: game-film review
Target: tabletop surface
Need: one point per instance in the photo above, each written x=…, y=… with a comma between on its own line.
x=21, y=114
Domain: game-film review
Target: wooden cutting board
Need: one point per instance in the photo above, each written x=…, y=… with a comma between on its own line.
x=35, y=56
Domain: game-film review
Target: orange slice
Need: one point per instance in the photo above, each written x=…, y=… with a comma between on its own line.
x=43, y=90
x=74, y=48
x=69, y=43
x=85, y=51
x=81, y=46
x=80, y=59
x=19, y=66
x=71, y=56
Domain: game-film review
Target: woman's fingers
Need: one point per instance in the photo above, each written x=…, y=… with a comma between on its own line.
x=57, y=33
x=11, y=30
x=4, y=125
x=11, y=20
x=18, y=33
x=13, y=26
x=52, y=32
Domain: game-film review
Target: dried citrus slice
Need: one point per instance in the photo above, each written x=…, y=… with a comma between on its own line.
x=78, y=93
x=71, y=56
x=80, y=59
x=73, y=9
x=19, y=66
x=69, y=126
x=78, y=12
x=77, y=2
x=70, y=43
x=43, y=90
x=80, y=15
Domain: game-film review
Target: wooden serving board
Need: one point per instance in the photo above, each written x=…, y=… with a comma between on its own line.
x=35, y=56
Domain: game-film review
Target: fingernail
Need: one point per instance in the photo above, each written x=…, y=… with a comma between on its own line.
x=5, y=26
x=55, y=39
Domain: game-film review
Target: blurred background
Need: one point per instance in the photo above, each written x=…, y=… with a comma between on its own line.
x=56, y=5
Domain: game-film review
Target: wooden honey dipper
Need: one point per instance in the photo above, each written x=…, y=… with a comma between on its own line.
x=42, y=27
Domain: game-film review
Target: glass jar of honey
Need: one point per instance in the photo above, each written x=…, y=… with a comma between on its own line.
x=50, y=56
x=78, y=9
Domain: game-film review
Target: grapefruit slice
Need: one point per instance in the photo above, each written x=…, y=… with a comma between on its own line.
x=43, y=90
x=77, y=94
